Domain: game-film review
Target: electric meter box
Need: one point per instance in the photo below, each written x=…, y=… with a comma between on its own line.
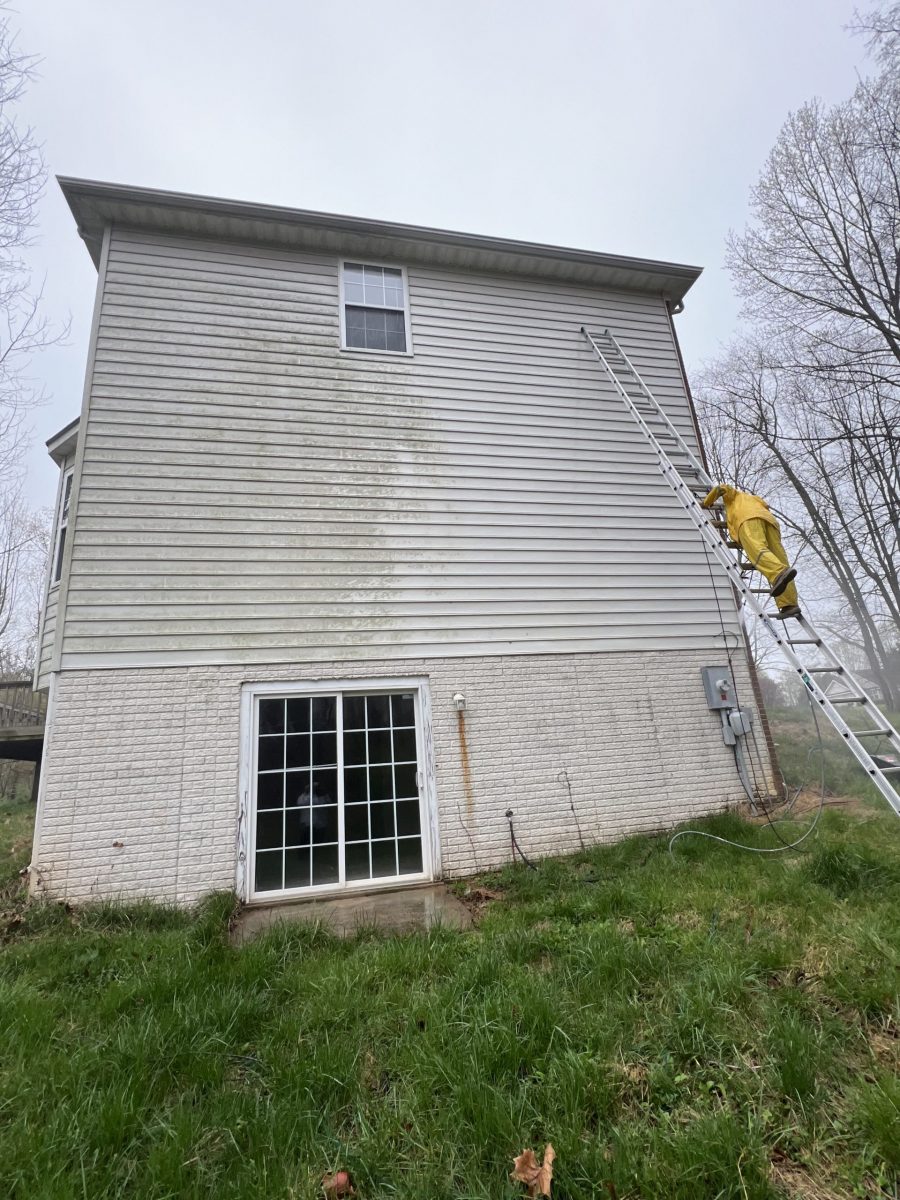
x=719, y=687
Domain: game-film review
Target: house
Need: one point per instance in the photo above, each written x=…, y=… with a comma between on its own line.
x=357, y=553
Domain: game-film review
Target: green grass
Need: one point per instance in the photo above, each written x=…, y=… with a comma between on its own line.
x=699, y=1026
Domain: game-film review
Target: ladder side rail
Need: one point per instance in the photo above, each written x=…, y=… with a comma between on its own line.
x=862, y=755
x=702, y=522
x=683, y=445
x=845, y=675
x=704, y=526
x=652, y=438
x=700, y=517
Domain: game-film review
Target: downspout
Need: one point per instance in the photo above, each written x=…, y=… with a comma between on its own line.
x=777, y=778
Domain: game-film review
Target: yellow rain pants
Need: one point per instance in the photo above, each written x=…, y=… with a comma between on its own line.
x=751, y=522
x=761, y=541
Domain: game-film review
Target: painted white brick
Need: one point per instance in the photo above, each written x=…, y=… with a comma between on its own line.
x=149, y=758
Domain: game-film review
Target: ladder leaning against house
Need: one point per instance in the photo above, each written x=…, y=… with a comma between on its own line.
x=831, y=685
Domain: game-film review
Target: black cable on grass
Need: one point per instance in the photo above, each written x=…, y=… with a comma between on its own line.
x=515, y=844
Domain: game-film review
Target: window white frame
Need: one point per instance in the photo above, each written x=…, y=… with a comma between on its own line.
x=367, y=262
x=63, y=513
x=246, y=840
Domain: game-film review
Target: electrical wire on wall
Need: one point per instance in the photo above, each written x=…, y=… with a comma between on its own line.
x=759, y=789
x=714, y=837
x=758, y=798
x=515, y=845
x=563, y=777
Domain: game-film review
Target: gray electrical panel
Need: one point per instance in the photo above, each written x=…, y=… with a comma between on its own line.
x=719, y=687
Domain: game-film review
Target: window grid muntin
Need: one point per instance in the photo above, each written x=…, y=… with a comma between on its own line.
x=370, y=296
x=409, y=693
x=394, y=763
x=373, y=290
x=310, y=771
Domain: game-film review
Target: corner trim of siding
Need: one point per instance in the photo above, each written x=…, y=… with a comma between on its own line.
x=34, y=866
x=56, y=658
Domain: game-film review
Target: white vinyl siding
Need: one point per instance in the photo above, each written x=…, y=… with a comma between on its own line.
x=47, y=637
x=249, y=493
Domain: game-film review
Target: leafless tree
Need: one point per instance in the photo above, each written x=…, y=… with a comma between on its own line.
x=24, y=551
x=821, y=259
x=805, y=406
x=23, y=331
x=823, y=457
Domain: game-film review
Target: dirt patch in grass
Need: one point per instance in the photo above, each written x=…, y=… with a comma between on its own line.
x=477, y=898
x=796, y=1183
x=885, y=1044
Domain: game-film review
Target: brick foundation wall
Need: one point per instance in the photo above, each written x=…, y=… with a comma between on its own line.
x=140, y=786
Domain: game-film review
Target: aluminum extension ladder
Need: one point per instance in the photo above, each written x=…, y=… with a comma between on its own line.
x=830, y=683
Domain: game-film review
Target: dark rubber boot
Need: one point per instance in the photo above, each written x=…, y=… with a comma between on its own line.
x=782, y=580
x=783, y=614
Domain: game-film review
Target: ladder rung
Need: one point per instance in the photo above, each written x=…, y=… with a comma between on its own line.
x=691, y=483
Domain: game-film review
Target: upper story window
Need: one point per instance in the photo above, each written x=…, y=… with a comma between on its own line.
x=62, y=524
x=374, y=308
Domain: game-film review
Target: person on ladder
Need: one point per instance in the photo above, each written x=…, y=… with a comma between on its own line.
x=752, y=524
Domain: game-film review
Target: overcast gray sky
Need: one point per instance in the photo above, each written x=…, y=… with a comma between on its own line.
x=632, y=126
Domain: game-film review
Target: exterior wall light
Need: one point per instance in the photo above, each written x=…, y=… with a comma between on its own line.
x=460, y=701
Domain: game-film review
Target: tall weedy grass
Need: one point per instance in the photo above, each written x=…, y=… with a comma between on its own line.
x=703, y=1025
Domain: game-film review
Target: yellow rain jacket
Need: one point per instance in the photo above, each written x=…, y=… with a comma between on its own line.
x=740, y=507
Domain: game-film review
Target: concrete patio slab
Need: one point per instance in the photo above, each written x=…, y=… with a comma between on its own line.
x=405, y=910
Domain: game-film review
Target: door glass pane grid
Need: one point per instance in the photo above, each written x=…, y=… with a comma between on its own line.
x=333, y=772
x=381, y=811
x=297, y=836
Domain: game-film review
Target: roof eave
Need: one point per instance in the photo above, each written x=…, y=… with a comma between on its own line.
x=96, y=205
x=61, y=445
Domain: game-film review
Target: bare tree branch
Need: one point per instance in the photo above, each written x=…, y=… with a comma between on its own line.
x=880, y=26
x=24, y=330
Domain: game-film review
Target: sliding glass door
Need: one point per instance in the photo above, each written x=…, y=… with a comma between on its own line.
x=338, y=791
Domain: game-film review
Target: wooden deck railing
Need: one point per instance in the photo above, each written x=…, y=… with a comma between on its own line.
x=20, y=706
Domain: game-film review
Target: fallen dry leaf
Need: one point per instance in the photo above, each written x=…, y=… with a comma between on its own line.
x=534, y=1175
x=337, y=1185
